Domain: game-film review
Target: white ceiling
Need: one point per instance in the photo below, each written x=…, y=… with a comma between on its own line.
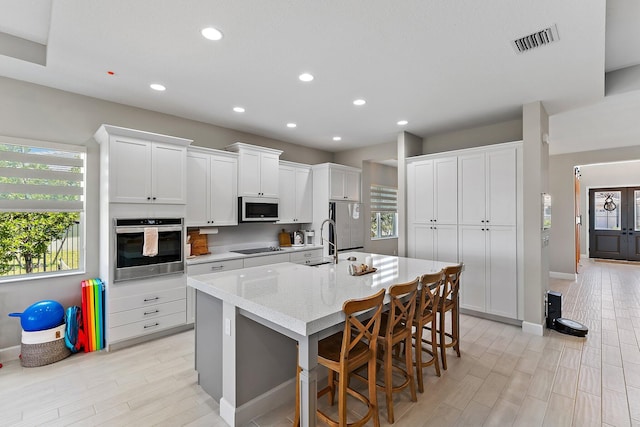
x=439, y=65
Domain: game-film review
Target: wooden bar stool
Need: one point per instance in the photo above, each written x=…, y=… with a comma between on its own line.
x=396, y=328
x=426, y=315
x=449, y=302
x=346, y=351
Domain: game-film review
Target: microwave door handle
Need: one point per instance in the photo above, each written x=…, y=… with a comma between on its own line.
x=125, y=230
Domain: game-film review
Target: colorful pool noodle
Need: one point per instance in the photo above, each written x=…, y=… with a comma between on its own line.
x=93, y=314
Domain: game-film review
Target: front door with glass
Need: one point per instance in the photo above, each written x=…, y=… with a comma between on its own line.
x=614, y=223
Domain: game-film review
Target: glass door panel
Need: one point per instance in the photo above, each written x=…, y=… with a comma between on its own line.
x=607, y=210
x=636, y=210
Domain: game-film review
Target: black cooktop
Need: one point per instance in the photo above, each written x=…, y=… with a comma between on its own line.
x=257, y=250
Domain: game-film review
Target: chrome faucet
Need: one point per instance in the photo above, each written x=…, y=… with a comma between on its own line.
x=335, y=235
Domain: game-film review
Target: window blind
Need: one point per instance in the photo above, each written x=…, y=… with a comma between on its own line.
x=40, y=176
x=384, y=199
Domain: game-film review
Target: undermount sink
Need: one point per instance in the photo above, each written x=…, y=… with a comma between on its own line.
x=316, y=264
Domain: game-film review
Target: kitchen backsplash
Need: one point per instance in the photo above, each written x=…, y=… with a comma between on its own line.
x=249, y=235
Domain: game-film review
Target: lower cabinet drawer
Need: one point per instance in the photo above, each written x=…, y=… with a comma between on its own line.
x=145, y=313
x=147, y=299
x=302, y=257
x=213, y=267
x=265, y=260
x=146, y=327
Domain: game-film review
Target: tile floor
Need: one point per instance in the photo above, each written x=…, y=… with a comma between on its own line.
x=505, y=377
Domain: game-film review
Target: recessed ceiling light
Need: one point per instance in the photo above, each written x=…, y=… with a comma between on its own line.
x=359, y=102
x=402, y=122
x=337, y=138
x=211, y=33
x=238, y=109
x=157, y=86
x=305, y=77
x=291, y=125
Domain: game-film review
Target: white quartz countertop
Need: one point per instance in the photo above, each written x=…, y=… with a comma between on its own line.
x=305, y=299
x=228, y=255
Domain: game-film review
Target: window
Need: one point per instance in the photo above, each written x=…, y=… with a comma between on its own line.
x=384, y=212
x=41, y=208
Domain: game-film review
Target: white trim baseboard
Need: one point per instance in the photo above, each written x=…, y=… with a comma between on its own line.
x=564, y=276
x=532, y=328
x=10, y=353
x=262, y=404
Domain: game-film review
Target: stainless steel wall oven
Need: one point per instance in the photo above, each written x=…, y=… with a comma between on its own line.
x=129, y=235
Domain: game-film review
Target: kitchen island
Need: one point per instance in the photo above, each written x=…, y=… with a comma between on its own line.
x=248, y=322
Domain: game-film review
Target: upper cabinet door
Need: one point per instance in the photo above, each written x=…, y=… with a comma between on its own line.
x=421, y=189
x=198, y=181
x=249, y=176
x=224, y=190
x=336, y=184
x=352, y=186
x=501, y=187
x=304, y=195
x=169, y=173
x=287, y=205
x=472, y=194
x=129, y=170
x=269, y=166
x=445, y=190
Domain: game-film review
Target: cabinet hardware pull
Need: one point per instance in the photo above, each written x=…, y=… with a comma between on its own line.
x=151, y=299
x=148, y=198
x=154, y=198
x=217, y=267
x=152, y=325
x=146, y=313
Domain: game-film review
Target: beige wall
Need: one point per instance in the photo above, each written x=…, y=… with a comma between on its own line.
x=356, y=156
x=474, y=137
x=37, y=112
x=535, y=254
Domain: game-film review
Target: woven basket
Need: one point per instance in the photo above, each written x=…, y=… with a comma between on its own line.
x=34, y=355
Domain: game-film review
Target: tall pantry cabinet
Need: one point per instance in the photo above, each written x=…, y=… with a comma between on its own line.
x=464, y=206
x=432, y=209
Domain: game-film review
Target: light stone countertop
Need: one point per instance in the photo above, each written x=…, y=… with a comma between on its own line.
x=306, y=299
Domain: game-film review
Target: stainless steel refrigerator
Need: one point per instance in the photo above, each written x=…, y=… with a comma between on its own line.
x=349, y=220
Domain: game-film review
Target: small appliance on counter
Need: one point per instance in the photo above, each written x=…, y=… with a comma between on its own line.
x=298, y=238
x=309, y=236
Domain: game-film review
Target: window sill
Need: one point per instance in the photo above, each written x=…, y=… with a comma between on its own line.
x=38, y=276
x=383, y=238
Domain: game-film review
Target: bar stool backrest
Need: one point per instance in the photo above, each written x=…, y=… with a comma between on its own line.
x=451, y=284
x=403, y=306
x=430, y=290
x=356, y=330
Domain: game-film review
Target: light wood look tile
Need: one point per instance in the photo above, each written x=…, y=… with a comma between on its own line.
x=504, y=377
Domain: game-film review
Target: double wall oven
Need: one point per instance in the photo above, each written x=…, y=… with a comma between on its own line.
x=129, y=236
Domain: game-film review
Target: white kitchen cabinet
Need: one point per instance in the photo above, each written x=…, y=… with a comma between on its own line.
x=212, y=195
x=344, y=183
x=488, y=183
x=464, y=206
x=296, y=193
x=307, y=256
x=432, y=205
x=490, y=279
x=433, y=184
x=141, y=307
x=436, y=242
x=257, y=170
x=143, y=171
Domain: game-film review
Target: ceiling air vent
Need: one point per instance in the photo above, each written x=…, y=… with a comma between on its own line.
x=537, y=39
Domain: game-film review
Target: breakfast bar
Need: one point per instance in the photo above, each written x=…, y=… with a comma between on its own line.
x=248, y=322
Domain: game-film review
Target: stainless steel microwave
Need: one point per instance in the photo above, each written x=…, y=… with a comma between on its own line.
x=257, y=209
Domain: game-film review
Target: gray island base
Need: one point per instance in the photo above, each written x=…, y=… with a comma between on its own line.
x=248, y=322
